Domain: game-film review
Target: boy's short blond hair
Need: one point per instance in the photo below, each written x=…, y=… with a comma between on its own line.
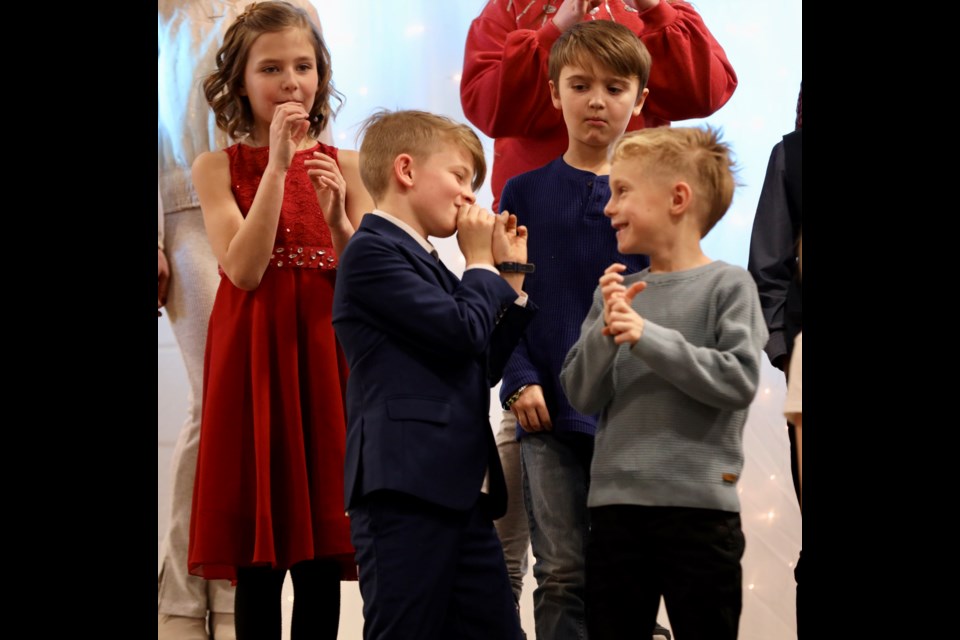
x=696, y=156
x=387, y=134
x=605, y=43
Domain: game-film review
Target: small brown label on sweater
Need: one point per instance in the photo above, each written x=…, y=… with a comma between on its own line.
x=730, y=477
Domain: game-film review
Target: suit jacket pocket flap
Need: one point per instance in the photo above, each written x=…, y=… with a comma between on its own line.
x=419, y=409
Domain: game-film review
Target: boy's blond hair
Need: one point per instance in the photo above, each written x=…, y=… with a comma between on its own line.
x=387, y=134
x=605, y=43
x=696, y=156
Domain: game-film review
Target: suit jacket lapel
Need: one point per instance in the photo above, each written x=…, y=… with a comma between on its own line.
x=376, y=224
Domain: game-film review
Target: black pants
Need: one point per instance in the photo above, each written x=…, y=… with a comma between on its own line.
x=316, y=604
x=690, y=557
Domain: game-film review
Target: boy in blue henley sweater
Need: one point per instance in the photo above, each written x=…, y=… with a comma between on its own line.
x=598, y=74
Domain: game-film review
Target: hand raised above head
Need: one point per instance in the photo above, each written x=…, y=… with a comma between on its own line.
x=572, y=11
x=642, y=5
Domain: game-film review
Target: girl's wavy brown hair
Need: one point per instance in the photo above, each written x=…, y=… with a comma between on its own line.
x=222, y=87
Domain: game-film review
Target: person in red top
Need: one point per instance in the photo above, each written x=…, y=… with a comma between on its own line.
x=504, y=90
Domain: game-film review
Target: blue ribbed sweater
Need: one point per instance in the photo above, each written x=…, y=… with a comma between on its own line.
x=571, y=242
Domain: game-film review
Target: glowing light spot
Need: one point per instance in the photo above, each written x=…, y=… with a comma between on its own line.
x=767, y=390
x=362, y=91
x=750, y=586
x=341, y=136
x=773, y=476
x=456, y=77
x=414, y=30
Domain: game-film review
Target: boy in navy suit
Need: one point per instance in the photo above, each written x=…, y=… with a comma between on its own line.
x=423, y=480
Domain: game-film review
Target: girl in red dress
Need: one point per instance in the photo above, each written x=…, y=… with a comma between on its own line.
x=278, y=207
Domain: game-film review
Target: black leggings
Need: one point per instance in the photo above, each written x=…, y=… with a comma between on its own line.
x=316, y=604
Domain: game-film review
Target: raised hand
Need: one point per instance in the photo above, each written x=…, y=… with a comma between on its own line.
x=611, y=286
x=510, y=245
x=331, y=188
x=474, y=234
x=572, y=11
x=615, y=294
x=509, y=239
x=626, y=325
x=287, y=130
x=642, y=5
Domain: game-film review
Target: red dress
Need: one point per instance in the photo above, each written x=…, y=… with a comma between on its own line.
x=269, y=484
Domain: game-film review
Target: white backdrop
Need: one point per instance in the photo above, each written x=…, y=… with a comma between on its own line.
x=409, y=55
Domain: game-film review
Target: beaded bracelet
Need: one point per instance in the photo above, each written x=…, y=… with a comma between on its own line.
x=514, y=397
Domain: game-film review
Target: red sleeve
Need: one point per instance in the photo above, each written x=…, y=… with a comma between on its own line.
x=690, y=76
x=504, y=92
x=504, y=89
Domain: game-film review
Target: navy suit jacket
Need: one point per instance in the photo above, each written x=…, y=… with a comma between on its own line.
x=424, y=349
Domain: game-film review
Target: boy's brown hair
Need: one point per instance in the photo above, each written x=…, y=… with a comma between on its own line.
x=605, y=43
x=696, y=156
x=222, y=87
x=387, y=134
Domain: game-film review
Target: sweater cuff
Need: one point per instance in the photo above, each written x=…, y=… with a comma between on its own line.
x=597, y=342
x=513, y=380
x=657, y=17
x=548, y=34
x=653, y=341
x=776, y=345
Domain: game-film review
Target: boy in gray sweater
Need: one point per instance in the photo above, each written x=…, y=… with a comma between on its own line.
x=670, y=358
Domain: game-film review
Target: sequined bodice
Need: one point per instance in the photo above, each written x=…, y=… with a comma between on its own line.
x=303, y=238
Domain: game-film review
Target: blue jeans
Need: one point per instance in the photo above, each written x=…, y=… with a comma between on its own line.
x=556, y=477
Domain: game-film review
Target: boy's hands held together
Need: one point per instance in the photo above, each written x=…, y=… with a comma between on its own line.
x=510, y=245
x=487, y=238
x=474, y=234
x=620, y=320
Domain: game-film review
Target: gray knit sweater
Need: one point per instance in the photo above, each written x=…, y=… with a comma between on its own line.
x=674, y=405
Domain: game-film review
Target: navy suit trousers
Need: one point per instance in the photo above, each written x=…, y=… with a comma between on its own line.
x=429, y=572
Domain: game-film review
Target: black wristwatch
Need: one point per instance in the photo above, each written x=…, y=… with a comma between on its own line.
x=516, y=267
